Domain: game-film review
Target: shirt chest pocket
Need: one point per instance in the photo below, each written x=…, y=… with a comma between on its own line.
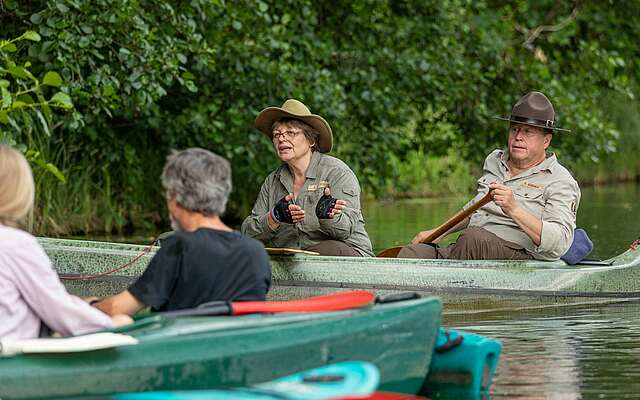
x=531, y=198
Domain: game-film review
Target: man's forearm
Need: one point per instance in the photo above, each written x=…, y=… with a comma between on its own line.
x=528, y=222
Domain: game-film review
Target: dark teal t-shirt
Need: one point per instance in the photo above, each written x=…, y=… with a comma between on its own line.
x=192, y=268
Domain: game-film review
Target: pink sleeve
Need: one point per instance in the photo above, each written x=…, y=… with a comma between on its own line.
x=42, y=290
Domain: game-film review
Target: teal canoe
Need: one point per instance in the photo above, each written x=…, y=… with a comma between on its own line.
x=308, y=274
x=351, y=378
x=161, y=353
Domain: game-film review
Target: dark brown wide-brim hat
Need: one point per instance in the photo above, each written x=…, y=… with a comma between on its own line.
x=534, y=109
x=296, y=109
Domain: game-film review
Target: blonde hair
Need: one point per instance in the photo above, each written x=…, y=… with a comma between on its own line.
x=17, y=189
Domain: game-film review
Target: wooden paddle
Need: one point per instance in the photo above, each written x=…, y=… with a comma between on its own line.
x=328, y=302
x=392, y=252
x=285, y=251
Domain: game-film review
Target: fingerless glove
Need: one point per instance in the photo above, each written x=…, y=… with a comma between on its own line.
x=281, y=211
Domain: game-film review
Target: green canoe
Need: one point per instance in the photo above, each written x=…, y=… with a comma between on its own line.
x=190, y=353
x=307, y=274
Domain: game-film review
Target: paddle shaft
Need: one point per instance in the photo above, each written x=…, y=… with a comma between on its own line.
x=456, y=219
x=442, y=229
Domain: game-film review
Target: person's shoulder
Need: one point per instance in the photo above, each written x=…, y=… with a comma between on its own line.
x=560, y=172
x=493, y=158
x=334, y=162
x=496, y=154
x=12, y=238
x=249, y=243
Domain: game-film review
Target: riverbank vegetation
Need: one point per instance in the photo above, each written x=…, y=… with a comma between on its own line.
x=409, y=88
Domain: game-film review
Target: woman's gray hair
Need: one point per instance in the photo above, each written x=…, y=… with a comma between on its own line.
x=199, y=179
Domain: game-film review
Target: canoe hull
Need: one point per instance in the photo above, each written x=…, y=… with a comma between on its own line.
x=539, y=278
x=217, y=352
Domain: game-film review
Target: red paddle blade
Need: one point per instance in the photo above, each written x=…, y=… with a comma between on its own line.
x=328, y=302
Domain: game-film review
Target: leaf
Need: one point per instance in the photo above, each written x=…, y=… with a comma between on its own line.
x=45, y=125
x=62, y=8
x=55, y=171
x=6, y=98
x=191, y=86
x=25, y=98
x=52, y=78
x=8, y=47
x=18, y=72
x=18, y=104
x=35, y=157
x=4, y=118
x=36, y=19
x=31, y=35
x=62, y=100
x=4, y=83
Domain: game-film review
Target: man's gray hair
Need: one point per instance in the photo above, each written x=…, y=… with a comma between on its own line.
x=199, y=179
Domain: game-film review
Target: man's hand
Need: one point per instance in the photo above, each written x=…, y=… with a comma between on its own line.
x=329, y=207
x=503, y=197
x=423, y=235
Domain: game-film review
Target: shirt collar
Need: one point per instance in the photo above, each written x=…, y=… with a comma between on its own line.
x=547, y=165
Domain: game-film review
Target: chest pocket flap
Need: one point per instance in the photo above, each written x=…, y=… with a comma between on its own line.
x=528, y=193
x=350, y=192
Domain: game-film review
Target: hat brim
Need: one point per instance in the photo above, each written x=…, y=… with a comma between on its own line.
x=533, y=124
x=266, y=118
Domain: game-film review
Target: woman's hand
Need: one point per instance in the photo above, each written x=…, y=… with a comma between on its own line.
x=297, y=213
x=329, y=207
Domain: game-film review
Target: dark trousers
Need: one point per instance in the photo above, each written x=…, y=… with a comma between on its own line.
x=334, y=248
x=473, y=244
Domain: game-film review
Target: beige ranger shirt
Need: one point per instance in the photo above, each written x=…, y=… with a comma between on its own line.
x=323, y=171
x=547, y=191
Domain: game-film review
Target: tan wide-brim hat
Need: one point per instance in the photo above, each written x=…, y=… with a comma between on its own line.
x=295, y=109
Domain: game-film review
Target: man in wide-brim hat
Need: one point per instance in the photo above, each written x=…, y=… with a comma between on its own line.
x=533, y=212
x=312, y=201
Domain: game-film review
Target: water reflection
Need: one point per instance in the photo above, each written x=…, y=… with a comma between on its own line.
x=568, y=352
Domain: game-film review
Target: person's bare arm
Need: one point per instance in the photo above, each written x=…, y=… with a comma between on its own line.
x=121, y=303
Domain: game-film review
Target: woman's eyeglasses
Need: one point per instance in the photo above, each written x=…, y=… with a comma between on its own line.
x=287, y=135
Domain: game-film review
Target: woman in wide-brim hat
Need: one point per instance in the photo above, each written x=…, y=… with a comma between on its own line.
x=312, y=201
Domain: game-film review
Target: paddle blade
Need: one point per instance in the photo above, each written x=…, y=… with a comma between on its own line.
x=329, y=302
x=391, y=252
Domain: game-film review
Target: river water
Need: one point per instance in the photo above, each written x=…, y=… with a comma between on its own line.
x=571, y=349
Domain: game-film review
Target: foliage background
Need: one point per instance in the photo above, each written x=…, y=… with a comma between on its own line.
x=409, y=87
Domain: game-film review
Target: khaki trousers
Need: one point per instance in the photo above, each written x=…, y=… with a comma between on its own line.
x=473, y=244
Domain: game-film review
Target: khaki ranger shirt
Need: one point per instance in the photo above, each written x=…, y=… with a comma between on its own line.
x=547, y=191
x=323, y=171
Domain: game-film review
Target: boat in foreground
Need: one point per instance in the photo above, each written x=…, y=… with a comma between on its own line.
x=618, y=276
x=191, y=353
x=350, y=378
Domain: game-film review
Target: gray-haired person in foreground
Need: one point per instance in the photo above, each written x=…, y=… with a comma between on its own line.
x=204, y=260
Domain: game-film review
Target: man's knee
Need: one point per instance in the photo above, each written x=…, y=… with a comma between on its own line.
x=472, y=236
x=419, y=250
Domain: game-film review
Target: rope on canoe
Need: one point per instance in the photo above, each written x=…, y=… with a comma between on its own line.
x=123, y=266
